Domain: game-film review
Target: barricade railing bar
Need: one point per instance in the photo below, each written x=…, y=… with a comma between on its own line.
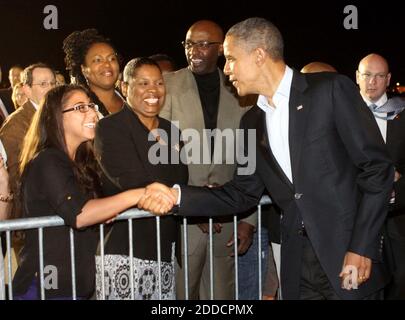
x=40, y=223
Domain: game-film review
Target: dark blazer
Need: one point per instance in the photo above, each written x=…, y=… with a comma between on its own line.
x=122, y=148
x=396, y=147
x=342, y=178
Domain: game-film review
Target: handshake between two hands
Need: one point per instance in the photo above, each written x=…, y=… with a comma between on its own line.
x=158, y=199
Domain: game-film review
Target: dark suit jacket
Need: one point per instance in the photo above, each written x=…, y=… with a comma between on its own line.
x=396, y=146
x=342, y=178
x=122, y=148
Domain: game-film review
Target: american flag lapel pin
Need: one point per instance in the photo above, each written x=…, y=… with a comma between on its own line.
x=300, y=108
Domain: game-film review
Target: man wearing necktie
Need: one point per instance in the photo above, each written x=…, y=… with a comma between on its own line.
x=373, y=78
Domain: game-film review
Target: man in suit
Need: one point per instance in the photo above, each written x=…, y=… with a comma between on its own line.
x=322, y=159
x=197, y=98
x=37, y=79
x=373, y=77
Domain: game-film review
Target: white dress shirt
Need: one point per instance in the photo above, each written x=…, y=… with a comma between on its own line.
x=36, y=106
x=382, y=124
x=277, y=119
x=277, y=122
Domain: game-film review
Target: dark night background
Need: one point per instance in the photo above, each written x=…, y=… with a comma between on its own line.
x=312, y=30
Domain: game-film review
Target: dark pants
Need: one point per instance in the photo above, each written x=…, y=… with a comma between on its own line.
x=314, y=283
x=396, y=289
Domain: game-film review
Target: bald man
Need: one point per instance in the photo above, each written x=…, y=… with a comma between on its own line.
x=317, y=66
x=197, y=98
x=373, y=77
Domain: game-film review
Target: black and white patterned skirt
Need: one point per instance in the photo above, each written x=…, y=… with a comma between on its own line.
x=117, y=284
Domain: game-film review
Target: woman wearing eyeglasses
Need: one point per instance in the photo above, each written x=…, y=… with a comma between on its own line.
x=59, y=175
x=93, y=62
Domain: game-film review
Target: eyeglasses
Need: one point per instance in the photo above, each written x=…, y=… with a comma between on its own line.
x=83, y=108
x=368, y=76
x=45, y=84
x=200, y=44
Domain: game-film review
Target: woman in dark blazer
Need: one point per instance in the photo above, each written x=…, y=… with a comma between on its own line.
x=136, y=147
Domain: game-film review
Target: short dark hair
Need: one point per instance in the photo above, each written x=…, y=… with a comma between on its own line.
x=259, y=32
x=27, y=77
x=136, y=63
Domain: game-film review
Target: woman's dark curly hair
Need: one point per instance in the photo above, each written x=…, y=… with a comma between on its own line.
x=76, y=45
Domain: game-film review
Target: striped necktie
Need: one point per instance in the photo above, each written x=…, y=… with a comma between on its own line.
x=391, y=108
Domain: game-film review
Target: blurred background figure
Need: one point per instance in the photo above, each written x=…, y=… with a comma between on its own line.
x=18, y=97
x=92, y=61
x=317, y=66
x=14, y=75
x=165, y=62
x=6, y=103
x=60, y=78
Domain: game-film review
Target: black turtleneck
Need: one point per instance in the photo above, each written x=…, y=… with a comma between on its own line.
x=208, y=88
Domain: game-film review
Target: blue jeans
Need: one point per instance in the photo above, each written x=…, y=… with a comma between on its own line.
x=248, y=268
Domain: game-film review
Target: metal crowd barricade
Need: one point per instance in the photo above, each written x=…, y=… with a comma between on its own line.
x=54, y=221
